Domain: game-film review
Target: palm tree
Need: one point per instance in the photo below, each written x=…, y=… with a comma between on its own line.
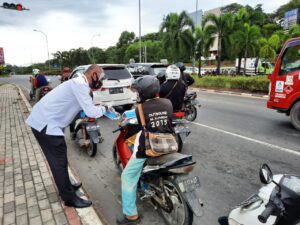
x=177, y=34
x=203, y=42
x=220, y=26
x=247, y=39
x=269, y=47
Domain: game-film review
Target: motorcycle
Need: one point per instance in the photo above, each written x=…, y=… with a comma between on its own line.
x=277, y=202
x=164, y=180
x=189, y=106
x=39, y=93
x=89, y=135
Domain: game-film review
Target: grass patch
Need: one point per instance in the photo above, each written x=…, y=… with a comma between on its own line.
x=250, y=84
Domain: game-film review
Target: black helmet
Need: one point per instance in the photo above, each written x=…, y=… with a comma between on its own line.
x=147, y=87
x=181, y=66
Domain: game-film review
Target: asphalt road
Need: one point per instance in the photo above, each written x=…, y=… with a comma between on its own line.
x=231, y=137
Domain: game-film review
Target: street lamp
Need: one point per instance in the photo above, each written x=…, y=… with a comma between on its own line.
x=140, y=28
x=47, y=45
x=95, y=35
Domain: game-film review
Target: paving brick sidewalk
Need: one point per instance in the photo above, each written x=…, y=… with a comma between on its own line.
x=27, y=191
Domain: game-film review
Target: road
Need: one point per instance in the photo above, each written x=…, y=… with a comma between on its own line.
x=231, y=137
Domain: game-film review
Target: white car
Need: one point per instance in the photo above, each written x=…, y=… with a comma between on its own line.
x=116, y=85
x=189, y=70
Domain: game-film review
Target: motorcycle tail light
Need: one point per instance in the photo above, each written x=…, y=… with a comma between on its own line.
x=91, y=119
x=180, y=170
x=179, y=114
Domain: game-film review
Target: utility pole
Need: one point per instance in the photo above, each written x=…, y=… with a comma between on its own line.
x=140, y=31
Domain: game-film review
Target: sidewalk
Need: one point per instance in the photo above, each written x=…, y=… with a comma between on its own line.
x=27, y=191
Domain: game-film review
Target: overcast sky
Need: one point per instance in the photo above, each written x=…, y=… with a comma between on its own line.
x=72, y=24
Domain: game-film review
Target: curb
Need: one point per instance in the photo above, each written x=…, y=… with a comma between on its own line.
x=88, y=216
x=231, y=93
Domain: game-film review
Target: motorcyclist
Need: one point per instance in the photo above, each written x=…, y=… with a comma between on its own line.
x=65, y=75
x=188, y=79
x=158, y=118
x=173, y=88
x=37, y=80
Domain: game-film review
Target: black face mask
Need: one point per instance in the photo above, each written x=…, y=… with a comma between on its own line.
x=96, y=84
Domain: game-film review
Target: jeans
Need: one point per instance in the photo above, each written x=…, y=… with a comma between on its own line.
x=130, y=179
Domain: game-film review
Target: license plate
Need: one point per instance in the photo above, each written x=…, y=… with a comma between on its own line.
x=115, y=90
x=195, y=102
x=190, y=184
x=93, y=127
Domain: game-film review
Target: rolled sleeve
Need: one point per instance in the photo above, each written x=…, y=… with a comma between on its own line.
x=81, y=92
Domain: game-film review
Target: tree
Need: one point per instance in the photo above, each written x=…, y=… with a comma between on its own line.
x=247, y=39
x=294, y=31
x=79, y=56
x=292, y=4
x=98, y=54
x=125, y=39
x=231, y=8
x=220, y=26
x=269, y=47
x=177, y=36
x=203, y=42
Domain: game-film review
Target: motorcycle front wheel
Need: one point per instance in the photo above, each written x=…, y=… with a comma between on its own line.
x=117, y=159
x=190, y=113
x=180, y=214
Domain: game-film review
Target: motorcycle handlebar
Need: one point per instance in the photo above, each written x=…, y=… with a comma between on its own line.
x=115, y=131
x=264, y=216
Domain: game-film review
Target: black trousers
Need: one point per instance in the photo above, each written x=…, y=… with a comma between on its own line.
x=55, y=150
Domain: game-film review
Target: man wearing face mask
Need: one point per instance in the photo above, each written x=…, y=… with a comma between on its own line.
x=52, y=114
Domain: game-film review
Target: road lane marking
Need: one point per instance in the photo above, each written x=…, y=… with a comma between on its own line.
x=250, y=139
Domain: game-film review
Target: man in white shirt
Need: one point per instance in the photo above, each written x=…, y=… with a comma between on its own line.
x=56, y=111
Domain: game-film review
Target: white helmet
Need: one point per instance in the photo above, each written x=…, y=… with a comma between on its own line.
x=172, y=73
x=35, y=71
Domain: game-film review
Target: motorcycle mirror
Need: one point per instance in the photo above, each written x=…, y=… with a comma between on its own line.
x=265, y=174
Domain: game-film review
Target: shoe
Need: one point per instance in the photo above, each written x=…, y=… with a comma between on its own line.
x=78, y=203
x=125, y=221
x=76, y=186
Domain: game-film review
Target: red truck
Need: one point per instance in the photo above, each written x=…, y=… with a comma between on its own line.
x=284, y=91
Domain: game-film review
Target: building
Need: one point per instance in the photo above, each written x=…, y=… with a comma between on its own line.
x=200, y=15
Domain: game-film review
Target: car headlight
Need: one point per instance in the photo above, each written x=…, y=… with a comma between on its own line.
x=233, y=222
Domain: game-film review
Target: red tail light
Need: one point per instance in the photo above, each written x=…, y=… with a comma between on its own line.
x=179, y=114
x=91, y=119
x=103, y=89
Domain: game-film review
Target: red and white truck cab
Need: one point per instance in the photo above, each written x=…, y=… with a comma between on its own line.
x=284, y=90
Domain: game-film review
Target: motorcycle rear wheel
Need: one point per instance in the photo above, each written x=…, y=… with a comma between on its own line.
x=190, y=113
x=181, y=214
x=92, y=149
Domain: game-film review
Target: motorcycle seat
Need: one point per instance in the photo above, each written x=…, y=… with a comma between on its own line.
x=169, y=159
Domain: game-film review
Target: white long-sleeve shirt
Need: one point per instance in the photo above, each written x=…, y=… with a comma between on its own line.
x=58, y=108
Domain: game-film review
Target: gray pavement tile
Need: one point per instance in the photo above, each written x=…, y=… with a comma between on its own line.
x=9, y=197
x=46, y=215
x=19, y=191
x=21, y=209
x=60, y=218
x=56, y=207
x=9, y=218
x=53, y=197
x=35, y=221
x=44, y=204
x=30, y=192
x=31, y=201
x=9, y=207
x=41, y=194
x=50, y=222
x=9, y=189
x=33, y=211
x=22, y=220
x=20, y=199
x=50, y=189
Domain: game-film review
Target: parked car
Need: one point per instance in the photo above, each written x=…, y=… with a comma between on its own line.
x=189, y=70
x=140, y=69
x=116, y=86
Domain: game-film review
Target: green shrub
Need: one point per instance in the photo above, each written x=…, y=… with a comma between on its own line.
x=252, y=84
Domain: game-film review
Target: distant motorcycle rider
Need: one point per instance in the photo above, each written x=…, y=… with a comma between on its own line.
x=37, y=80
x=187, y=79
x=173, y=88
